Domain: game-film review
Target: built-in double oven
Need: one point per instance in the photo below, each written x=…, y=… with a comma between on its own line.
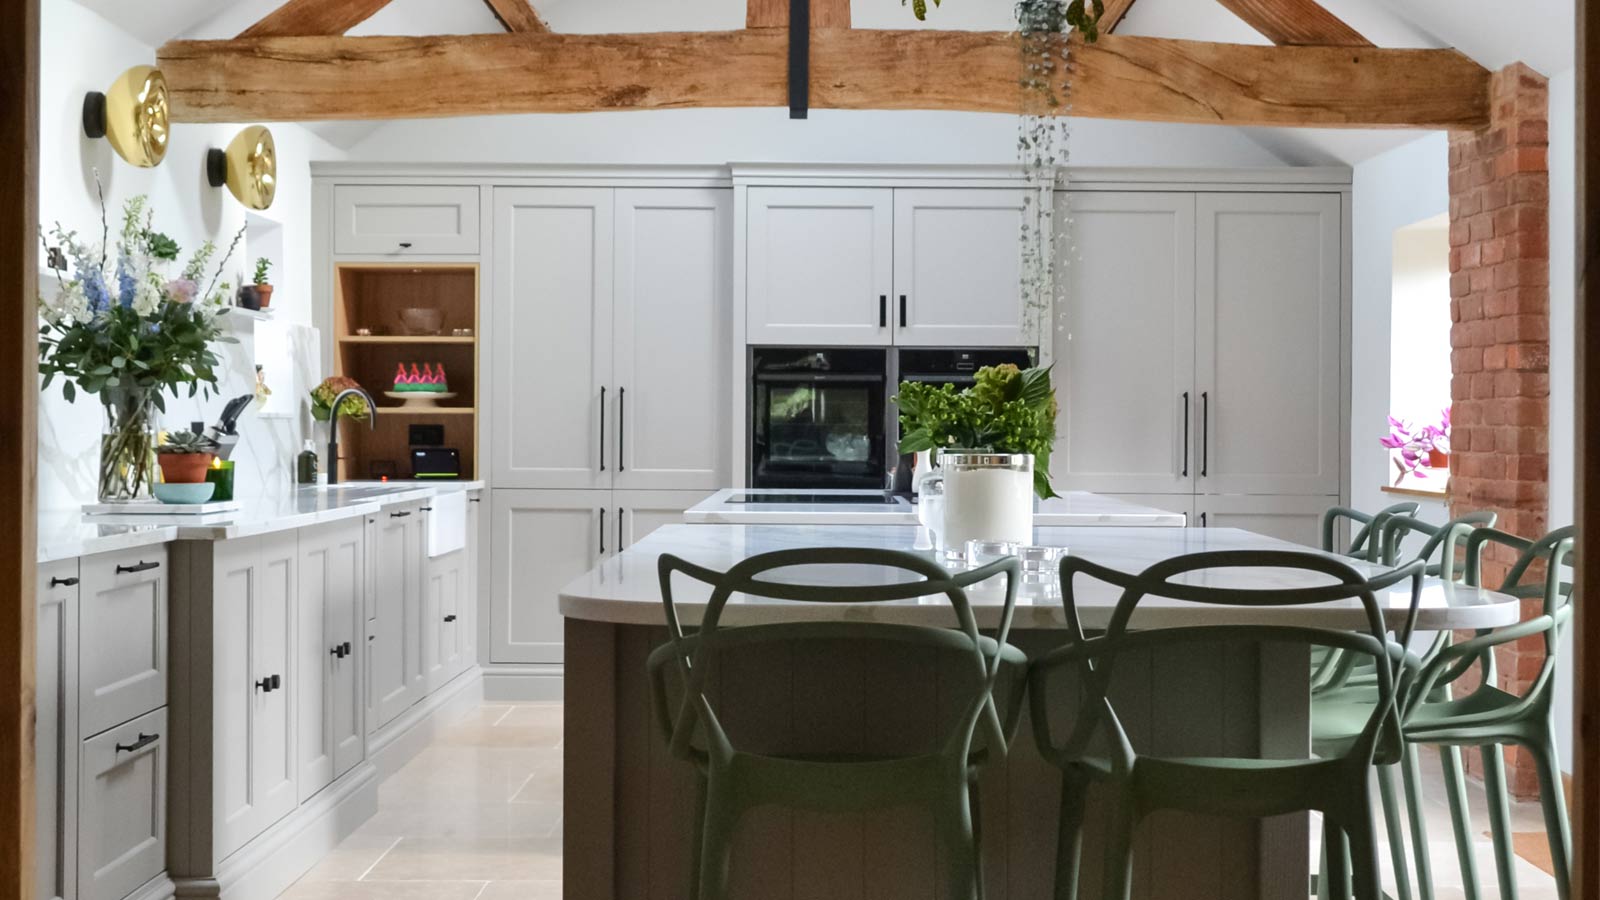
x=822, y=417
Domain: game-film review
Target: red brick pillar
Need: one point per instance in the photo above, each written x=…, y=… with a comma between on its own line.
x=1499, y=306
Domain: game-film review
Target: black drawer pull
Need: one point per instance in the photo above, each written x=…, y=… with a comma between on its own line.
x=474, y=499
x=141, y=567
x=270, y=683
x=63, y=582
x=405, y=245
x=427, y=509
x=450, y=618
x=400, y=515
x=144, y=741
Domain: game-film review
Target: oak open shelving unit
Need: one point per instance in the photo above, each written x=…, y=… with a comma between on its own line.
x=371, y=296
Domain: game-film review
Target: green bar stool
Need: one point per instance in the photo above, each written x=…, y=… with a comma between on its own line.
x=1337, y=786
x=1365, y=544
x=733, y=781
x=1490, y=716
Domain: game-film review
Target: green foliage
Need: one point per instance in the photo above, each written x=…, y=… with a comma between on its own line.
x=186, y=442
x=322, y=395
x=262, y=265
x=1009, y=410
x=167, y=350
x=160, y=246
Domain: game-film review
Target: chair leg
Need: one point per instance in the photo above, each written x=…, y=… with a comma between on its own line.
x=974, y=801
x=953, y=819
x=1411, y=775
x=1365, y=875
x=1494, y=784
x=716, y=844
x=1553, y=798
x=1455, y=788
x=1335, y=860
x=697, y=837
x=1069, y=836
x=1118, y=876
x=1397, y=841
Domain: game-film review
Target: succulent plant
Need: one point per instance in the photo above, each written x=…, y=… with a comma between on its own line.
x=186, y=442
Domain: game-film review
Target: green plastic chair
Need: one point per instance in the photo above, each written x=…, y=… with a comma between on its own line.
x=733, y=781
x=1364, y=545
x=1489, y=716
x=1138, y=784
x=1343, y=696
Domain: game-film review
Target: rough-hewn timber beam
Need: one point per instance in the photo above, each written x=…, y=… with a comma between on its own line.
x=299, y=18
x=1119, y=77
x=517, y=15
x=775, y=14
x=1296, y=22
x=1112, y=17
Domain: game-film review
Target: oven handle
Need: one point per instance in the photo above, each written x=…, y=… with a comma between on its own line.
x=800, y=378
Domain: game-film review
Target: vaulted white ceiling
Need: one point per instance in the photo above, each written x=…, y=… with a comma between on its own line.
x=1495, y=33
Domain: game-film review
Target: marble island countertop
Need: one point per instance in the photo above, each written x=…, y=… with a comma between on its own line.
x=67, y=532
x=624, y=589
x=774, y=506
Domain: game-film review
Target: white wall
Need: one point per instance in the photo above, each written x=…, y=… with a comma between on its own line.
x=83, y=52
x=1419, y=322
x=1563, y=325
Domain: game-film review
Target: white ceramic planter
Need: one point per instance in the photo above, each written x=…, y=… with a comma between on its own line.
x=988, y=497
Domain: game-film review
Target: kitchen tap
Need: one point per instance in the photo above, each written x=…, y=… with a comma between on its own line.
x=333, y=427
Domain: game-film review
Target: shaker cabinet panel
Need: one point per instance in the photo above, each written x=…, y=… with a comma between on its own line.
x=1124, y=344
x=394, y=650
x=122, y=636
x=542, y=540
x=958, y=268
x=1297, y=520
x=122, y=812
x=443, y=595
x=552, y=338
x=56, y=730
x=673, y=316
x=641, y=512
x=329, y=648
x=819, y=266
x=405, y=220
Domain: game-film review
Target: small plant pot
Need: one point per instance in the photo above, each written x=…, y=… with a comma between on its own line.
x=264, y=292
x=1439, y=460
x=184, y=468
x=249, y=297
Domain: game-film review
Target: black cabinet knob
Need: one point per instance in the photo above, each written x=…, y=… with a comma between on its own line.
x=405, y=245
x=270, y=683
x=450, y=618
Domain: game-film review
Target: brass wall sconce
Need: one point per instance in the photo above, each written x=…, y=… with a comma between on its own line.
x=249, y=167
x=132, y=115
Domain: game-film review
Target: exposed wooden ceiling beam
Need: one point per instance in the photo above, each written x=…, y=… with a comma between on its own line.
x=1112, y=17
x=1291, y=22
x=1119, y=77
x=775, y=14
x=304, y=18
x=517, y=16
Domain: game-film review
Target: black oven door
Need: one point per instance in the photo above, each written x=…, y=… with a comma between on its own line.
x=819, y=425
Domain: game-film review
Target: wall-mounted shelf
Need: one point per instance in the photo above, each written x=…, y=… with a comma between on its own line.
x=238, y=315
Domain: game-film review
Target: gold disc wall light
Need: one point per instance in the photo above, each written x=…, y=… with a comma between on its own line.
x=131, y=115
x=249, y=167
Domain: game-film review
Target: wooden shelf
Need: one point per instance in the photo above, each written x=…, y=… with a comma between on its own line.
x=396, y=339
x=421, y=411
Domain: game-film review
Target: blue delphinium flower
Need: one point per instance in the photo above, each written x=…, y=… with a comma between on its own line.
x=94, y=287
x=127, y=285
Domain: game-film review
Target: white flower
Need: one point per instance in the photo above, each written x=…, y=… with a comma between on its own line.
x=147, y=297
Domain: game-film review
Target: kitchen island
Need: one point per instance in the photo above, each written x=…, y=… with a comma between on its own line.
x=630, y=804
x=777, y=506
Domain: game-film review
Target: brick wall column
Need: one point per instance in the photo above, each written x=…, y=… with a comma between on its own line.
x=1500, y=335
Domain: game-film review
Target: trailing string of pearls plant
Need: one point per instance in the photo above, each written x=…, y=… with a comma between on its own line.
x=1043, y=131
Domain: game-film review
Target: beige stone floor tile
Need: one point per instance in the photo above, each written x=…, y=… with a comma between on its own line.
x=521, y=890
x=506, y=820
x=384, y=890
x=485, y=859
x=352, y=858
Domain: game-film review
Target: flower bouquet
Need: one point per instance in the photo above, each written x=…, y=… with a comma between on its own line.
x=1419, y=450
x=119, y=328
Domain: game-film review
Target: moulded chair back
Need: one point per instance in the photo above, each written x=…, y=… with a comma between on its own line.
x=1364, y=542
x=736, y=779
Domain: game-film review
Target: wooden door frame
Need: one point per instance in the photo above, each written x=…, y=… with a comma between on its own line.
x=1586, y=642
x=19, y=405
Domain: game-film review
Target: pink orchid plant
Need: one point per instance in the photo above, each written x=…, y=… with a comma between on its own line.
x=1417, y=445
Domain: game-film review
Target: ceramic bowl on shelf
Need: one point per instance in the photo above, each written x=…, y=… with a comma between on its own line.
x=171, y=492
x=421, y=320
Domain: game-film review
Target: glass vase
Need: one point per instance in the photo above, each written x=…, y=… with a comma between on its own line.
x=127, y=445
x=987, y=497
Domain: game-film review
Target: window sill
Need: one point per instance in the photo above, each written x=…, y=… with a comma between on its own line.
x=1442, y=495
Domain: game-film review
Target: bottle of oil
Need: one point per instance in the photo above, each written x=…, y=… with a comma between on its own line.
x=306, y=465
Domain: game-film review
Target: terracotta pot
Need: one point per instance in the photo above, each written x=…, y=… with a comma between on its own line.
x=1439, y=460
x=184, y=468
x=264, y=293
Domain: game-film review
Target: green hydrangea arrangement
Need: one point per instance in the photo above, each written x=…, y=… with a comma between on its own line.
x=1009, y=410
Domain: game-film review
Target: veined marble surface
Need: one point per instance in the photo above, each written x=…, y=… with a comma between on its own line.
x=1072, y=509
x=66, y=533
x=624, y=589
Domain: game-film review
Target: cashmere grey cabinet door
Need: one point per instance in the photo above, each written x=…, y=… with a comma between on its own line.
x=56, y=731
x=819, y=266
x=122, y=631
x=542, y=540
x=396, y=679
x=958, y=267
x=329, y=648
x=405, y=219
x=122, y=813
x=443, y=596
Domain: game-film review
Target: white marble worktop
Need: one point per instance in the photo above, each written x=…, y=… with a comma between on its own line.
x=1071, y=509
x=624, y=589
x=66, y=533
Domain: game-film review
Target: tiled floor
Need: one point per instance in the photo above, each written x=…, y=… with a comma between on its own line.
x=477, y=816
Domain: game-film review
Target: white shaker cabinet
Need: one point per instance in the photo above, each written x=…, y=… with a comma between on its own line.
x=394, y=608
x=958, y=267
x=405, y=220
x=122, y=835
x=541, y=541
x=56, y=731
x=672, y=330
x=1124, y=345
x=122, y=637
x=444, y=597
x=329, y=650
x=1288, y=518
x=552, y=338
x=641, y=512
x=820, y=265
x=1268, y=343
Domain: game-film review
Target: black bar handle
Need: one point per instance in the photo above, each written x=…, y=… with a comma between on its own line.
x=902, y=310
x=426, y=508
x=141, y=567
x=1185, y=434
x=405, y=245
x=400, y=515
x=450, y=618
x=63, y=582
x=622, y=428
x=1205, y=432
x=144, y=741
x=619, y=529
x=602, y=428
x=602, y=531
x=1203, y=521
x=474, y=499
x=883, y=310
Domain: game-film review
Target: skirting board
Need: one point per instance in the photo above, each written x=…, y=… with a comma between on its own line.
x=396, y=743
x=522, y=683
x=157, y=888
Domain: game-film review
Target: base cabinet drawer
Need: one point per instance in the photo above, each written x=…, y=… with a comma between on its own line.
x=122, y=811
x=122, y=637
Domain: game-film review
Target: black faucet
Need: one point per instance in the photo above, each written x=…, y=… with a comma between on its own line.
x=333, y=427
